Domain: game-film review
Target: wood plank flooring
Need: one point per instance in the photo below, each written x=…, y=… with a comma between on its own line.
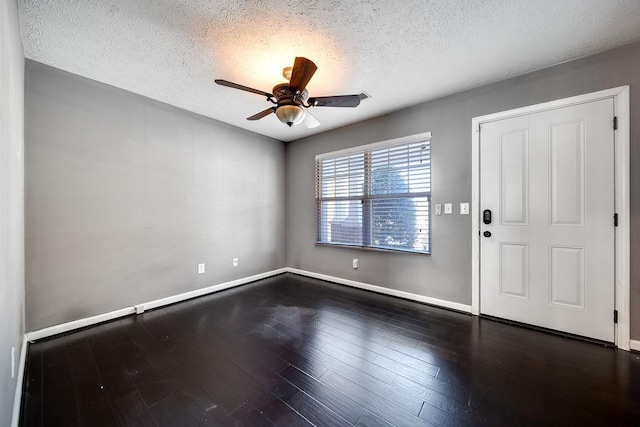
x=293, y=351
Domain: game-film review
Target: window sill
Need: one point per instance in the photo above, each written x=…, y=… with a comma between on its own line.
x=370, y=249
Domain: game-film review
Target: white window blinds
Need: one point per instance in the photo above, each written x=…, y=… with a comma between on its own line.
x=376, y=196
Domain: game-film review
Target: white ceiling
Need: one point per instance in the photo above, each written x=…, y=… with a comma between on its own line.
x=400, y=52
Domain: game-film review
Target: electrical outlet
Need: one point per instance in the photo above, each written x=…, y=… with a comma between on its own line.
x=200, y=268
x=235, y=262
x=464, y=208
x=438, y=209
x=13, y=362
x=355, y=263
x=448, y=208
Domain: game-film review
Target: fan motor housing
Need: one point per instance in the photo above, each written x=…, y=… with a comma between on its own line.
x=287, y=95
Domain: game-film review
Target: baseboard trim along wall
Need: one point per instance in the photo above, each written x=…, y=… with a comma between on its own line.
x=140, y=308
x=387, y=291
x=17, y=399
x=77, y=324
x=211, y=289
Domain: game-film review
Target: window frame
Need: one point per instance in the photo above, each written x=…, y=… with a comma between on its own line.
x=365, y=150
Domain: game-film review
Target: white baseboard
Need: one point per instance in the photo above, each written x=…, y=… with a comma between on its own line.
x=387, y=291
x=17, y=399
x=210, y=289
x=77, y=324
x=635, y=345
x=88, y=321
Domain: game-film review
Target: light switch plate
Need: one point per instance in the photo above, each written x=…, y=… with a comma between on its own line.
x=438, y=209
x=448, y=208
x=464, y=208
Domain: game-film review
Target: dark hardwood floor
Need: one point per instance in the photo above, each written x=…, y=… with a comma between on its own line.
x=296, y=351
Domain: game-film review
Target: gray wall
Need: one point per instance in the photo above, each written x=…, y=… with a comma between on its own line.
x=126, y=195
x=11, y=202
x=446, y=274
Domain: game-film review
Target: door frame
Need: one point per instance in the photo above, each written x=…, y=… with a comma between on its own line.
x=620, y=96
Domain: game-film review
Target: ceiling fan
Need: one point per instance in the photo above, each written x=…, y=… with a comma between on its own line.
x=292, y=99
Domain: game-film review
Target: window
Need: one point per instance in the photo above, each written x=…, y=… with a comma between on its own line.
x=376, y=196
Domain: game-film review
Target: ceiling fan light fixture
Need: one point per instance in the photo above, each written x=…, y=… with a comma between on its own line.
x=291, y=99
x=290, y=114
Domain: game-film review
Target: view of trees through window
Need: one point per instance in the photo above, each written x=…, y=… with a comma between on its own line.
x=376, y=197
x=393, y=221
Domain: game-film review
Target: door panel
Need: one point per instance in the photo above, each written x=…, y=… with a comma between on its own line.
x=548, y=178
x=514, y=178
x=567, y=276
x=567, y=174
x=514, y=270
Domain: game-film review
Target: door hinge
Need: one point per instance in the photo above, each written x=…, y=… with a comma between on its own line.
x=615, y=122
x=615, y=316
x=615, y=219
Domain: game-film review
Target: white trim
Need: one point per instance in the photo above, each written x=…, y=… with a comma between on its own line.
x=551, y=105
x=475, y=218
x=620, y=97
x=623, y=207
x=88, y=321
x=17, y=399
x=382, y=290
x=634, y=345
x=77, y=324
x=211, y=289
x=425, y=136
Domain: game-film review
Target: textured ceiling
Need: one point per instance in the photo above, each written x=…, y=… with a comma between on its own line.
x=400, y=52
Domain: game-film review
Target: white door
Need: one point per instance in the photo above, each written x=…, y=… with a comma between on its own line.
x=548, y=180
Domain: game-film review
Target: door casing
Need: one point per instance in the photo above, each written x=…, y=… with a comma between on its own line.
x=620, y=97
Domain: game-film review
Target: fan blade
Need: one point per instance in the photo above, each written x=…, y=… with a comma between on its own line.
x=310, y=121
x=335, y=101
x=241, y=87
x=262, y=114
x=303, y=70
